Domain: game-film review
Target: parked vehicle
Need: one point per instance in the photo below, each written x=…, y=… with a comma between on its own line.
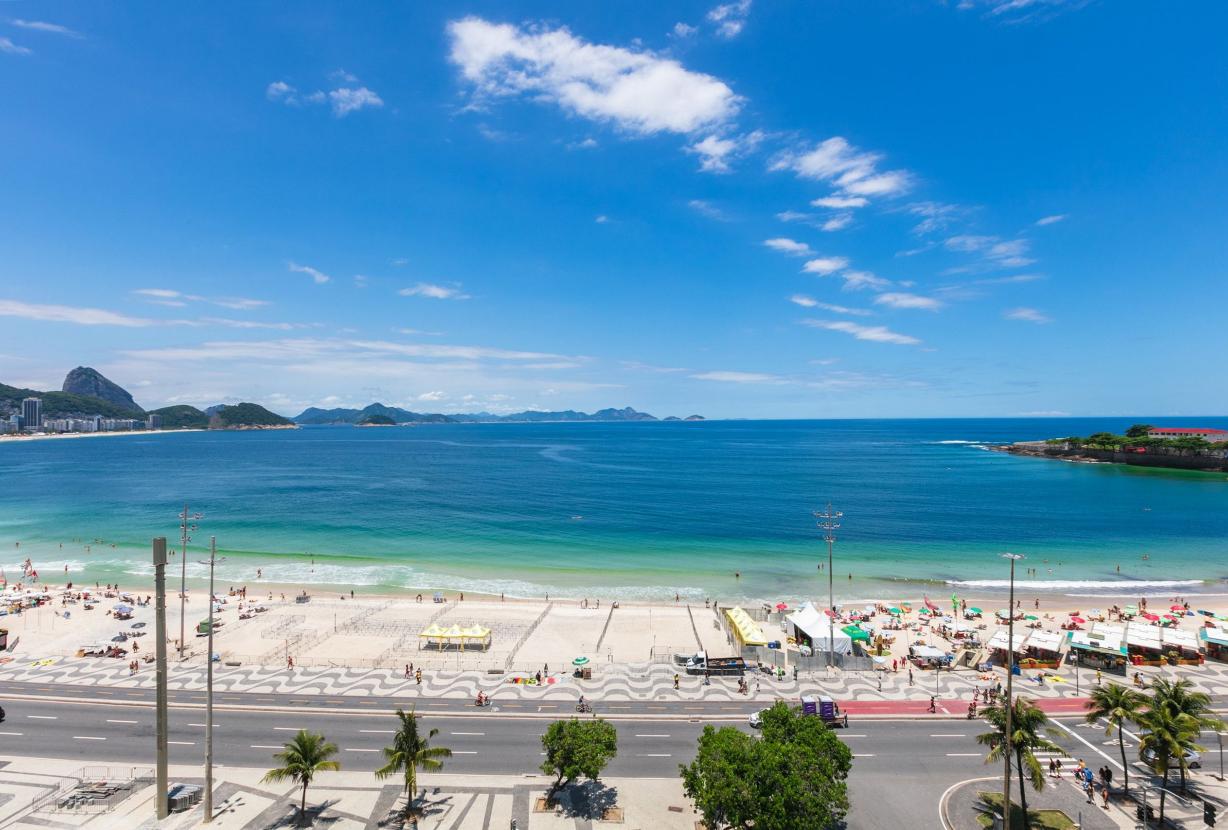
x=701, y=663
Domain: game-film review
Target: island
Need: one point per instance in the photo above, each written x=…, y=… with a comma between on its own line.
x=376, y=421
x=1142, y=445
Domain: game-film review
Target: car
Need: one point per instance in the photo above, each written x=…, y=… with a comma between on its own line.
x=756, y=719
x=1192, y=758
x=1, y=714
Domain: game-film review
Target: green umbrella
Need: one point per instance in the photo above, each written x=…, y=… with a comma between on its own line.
x=1031, y=617
x=894, y=610
x=975, y=610
x=579, y=661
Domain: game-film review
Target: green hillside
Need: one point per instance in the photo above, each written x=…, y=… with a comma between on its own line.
x=63, y=404
x=182, y=417
x=246, y=415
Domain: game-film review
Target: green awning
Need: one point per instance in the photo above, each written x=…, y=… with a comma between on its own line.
x=856, y=633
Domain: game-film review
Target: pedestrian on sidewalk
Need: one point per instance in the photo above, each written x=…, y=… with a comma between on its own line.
x=1052, y=767
x=676, y=680
x=1104, y=795
x=910, y=675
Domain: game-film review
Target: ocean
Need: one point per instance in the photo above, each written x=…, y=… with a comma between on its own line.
x=621, y=510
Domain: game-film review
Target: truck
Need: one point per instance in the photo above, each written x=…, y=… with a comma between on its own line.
x=701, y=663
x=825, y=708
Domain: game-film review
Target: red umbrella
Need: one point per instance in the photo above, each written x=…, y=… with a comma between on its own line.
x=1151, y=617
x=1169, y=617
x=782, y=606
x=1176, y=607
x=1077, y=620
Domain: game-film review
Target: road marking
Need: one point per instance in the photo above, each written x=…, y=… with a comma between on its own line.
x=104, y=692
x=653, y=755
x=852, y=736
x=463, y=752
x=348, y=749
x=949, y=735
x=86, y=738
x=287, y=729
x=182, y=743
x=19, y=734
x=864, y=755
x=267, y=746
x=963, y=755
x=466, y=733
x=652, y=736
x=43, y=717
x=1086, y=743
x=378, y=731
x=201, y=725
x=120, y=721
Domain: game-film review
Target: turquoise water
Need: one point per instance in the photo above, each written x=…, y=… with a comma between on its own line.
x=620, y=510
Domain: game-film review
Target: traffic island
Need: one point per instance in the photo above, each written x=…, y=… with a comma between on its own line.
x=1060, y=806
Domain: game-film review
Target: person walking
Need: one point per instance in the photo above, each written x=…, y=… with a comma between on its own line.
x=910, y=675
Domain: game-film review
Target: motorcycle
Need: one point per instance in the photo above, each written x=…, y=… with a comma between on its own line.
x=584, y=708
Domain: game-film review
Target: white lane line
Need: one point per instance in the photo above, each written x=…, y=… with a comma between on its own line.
x=286, y=729
x=653, y=755
x=201, y=725
x=1086, y=743
x=853, y=736
x=86, y=738
x=182, y=743
x=949, y=735
x=43, y=717
x=267, y=746
x=652, y=736
x=19, y=734
x=109, y=720
x=466, y=733
x=377, y=731
x=348, y=749
x=863, y=755
x=463, y=752
x=963, y=755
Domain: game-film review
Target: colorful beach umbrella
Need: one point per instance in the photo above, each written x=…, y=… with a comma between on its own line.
x=1150, y=616
x=1034, y=617
x=1002, y=612
x=894, y=610
x=579, y=661
x=781, y=606
x=975, y=610
x=1176, y=608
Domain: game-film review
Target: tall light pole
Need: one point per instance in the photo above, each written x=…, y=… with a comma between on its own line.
x=1010, y=706
x=829, y=523
x=186, y=526
x=159, y=562
x=209, y=690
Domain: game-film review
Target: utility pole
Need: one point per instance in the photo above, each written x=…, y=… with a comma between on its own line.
x=1010, y=706
x=209, y=691
x=829, y=523
x=159, y=562
x=186, y=526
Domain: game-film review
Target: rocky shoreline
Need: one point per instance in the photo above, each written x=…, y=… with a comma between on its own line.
x=1172, y=459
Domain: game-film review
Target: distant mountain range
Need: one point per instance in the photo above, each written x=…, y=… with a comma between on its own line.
x=314, y=415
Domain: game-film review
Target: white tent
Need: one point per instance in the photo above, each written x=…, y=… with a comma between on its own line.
x=816, y=625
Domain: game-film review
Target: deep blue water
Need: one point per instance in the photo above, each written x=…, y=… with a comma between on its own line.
x=638, y=509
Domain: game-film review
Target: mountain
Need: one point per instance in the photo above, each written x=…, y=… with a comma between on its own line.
x=246, y=415
x=62, y=404
x=181, y=417
x=90, y=383
x=377, y=420
x=314, y=415
x=566, y=415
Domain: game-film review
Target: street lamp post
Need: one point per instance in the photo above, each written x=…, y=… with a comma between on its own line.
x=1010, y=706
x=186, y=526
x=161, y=808
x=829, y=523
x=208, y=799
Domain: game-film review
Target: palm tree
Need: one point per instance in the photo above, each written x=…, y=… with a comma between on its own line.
x=1167, y=737
x=410, y=750
x=1179, y=697
x=305, y=755
x=1117, y=705
x=1027, y=720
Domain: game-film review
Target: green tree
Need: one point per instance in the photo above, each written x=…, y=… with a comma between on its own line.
x=410, y=750
x=794, y=776
x=1179, y=697
x=1027, y=721
x=1166, y=737
x=578, y=747
x=1139, y=431
x=304, y=755
x=1118, y=705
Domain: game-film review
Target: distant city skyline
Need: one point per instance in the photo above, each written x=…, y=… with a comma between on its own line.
x=934, y=209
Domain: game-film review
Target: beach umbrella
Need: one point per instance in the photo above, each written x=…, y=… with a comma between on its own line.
x=1034, y=617
x=894, y=610
x=1002, y=612
x=782, y=606
x=579, y=661
x=1170, y=617
x=1073, y=619
x=123, y=609
x=1150, y=616
x=975, y=610
x=1176, y=608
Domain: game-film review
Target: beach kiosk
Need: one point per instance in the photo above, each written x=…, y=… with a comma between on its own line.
x=1181, y=647
x=810, y=626
x=1100, y=647
x=745, y=630
x=1042, y=649
x=997, y=645
x=1214, y=639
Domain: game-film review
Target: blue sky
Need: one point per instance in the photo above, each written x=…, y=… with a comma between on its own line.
x=754, y=209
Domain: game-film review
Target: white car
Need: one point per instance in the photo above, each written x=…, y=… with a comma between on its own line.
x=756, y=719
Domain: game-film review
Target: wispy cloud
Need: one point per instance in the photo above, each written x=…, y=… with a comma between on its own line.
x=346, y=100
x=1022, y=11
x=730, y=18
x=840, y=202
x=825, y=265
x=899, y=299
x=994, y=251
x=318, y=276
x=44, y=26
x=877, y=334
x=1050, y=220
x=716, y=152
x=71, y=314
x=862, y=280
x=935, y=216
x=11, y=48
x=637, y=366
x=853, y=172
x=788, y=246
x=738, y=377
x=636, y=90
x=683, y=30
x=179, y=299
x=810, y=302
x=343, y=100
x=434, y=291
x=706, y=208
x=1027, y=315
x=838, y=222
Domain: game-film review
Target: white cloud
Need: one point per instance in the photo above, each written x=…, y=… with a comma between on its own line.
x=601, y=219
x=877, y=334
x=280, y=90
x=43, y=26
x=346, y=100
x=637, y=90
x=730, y=18
x=8, y=46
x=810, y=302
x=684, y=30
x=838, y=222
x=1029, y=315
x=716, y=152
x=437, y=395
x=70, y=314
x=587, y=144
x=178, y=299
x=708, y=209
x=435, y=292
x=1022, y=11
x=859, y=280
x=1050, y=220
x=342, y=77
x=788, y=246
x=420, y=332
x=854, y=172
x=899, y=299
x=738, y=377
x=251, y=324
x=995, y=252
x=935, y=216
x=841, y=202
x=825, y=265
x=319, y=276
